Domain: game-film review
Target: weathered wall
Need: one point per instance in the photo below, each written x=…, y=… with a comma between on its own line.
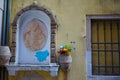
x=71, y=15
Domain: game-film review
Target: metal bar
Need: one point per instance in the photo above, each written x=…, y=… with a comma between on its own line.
x=105, y=43
x=107, y=66
x=118, y=41
x=92, y=46
x=111, y=45
x=106, y=51
x=109, y=74
x=98, y=45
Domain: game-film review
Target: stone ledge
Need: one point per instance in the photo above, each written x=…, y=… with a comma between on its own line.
x=13, y=68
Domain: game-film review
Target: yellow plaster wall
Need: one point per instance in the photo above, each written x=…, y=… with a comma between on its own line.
x=71, y=15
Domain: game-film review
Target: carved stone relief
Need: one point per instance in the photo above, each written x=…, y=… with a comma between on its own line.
x=35, y=35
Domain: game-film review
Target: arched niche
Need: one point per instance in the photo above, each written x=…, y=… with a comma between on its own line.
x=23, y=53
x=53, y=23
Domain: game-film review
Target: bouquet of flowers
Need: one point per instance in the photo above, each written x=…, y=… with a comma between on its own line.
x=65, y=49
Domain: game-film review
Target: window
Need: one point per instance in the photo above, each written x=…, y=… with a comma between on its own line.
x=105, y=38
x=103, y=46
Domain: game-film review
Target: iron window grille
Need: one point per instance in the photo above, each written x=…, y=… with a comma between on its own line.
x=105, y=46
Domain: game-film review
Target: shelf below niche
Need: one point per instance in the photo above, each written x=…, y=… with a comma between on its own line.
x=13, y=68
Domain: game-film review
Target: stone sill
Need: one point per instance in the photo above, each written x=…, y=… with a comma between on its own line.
x=13, y=68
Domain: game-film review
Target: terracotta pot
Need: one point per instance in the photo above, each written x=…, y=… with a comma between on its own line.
x=65, y=61
x=4, y=55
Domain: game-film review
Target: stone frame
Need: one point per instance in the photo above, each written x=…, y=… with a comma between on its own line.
x=54, y=26
x=88, y=52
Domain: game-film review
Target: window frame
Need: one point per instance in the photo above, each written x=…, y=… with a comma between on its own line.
x=88, y=50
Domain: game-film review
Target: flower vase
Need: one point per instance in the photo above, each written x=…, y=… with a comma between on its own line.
x=4, y=55
x=65, y=61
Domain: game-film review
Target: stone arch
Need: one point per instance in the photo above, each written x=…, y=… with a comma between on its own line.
x=54, y=26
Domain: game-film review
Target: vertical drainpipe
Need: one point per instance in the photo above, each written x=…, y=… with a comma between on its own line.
x=6, y=23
